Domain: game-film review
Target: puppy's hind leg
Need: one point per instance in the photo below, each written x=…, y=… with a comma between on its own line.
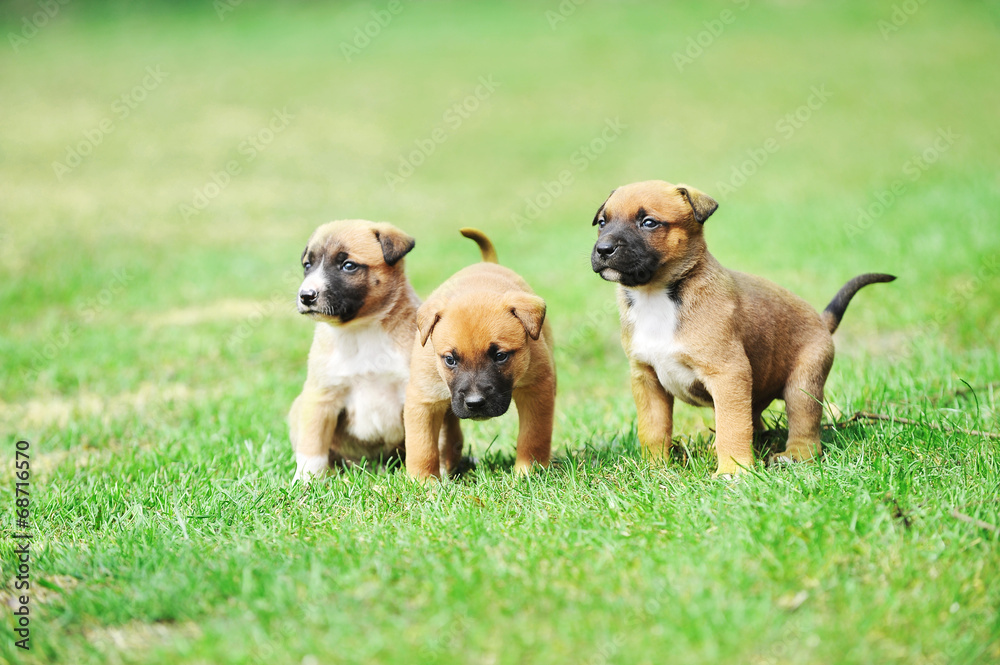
x=804, y=405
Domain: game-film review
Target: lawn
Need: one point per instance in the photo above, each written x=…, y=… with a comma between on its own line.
x=161, y=168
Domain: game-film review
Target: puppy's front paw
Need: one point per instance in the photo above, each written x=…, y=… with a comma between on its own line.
x=730, y=479
x=800, y=451
x=308, y=467
x=782, y=458
x=527, y=467
x=732, y=468
x=788, y=458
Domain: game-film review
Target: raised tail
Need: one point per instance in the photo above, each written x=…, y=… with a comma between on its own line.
x=485, y=246
x=834, y=312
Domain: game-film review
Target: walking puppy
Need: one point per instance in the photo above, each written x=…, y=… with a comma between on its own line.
x=356, y=290
x=482, y=340
x=708, y=335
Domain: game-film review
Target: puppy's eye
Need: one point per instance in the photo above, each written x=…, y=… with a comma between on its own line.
x=500, y=357
x=601, y=222
x=649, y=223
x=349, y=266
x=450, y=360
x=306, y=266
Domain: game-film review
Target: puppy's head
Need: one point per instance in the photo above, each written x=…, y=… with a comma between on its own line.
x=648, y=231
x=352, y=267
x=482, y=347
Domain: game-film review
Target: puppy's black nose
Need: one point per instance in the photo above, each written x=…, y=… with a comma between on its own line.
x=474, y=402
x=308, y=296
x=605, y=249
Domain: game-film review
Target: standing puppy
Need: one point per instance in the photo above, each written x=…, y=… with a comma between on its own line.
x=356, y=290
x=708, y=335
x=482, y=340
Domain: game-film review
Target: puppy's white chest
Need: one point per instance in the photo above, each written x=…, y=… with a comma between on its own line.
x=371, y=373
x=653, y=318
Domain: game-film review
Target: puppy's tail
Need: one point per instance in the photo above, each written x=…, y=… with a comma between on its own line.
x=485, y=246
x=834, y=312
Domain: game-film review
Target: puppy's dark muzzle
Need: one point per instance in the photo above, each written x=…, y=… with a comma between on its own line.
x=605, y=249
x=309, y=303
x=308, y=297
x=605, y=259
x=607, y=253
x=480, y=404
x=616, y=261
x=314, y=304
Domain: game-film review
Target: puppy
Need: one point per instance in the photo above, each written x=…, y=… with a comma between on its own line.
x=708, y=335
x=355, y=288
x=482, y=339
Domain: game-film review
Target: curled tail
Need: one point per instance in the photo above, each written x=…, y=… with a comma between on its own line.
x=834, y=312
x=485, y=246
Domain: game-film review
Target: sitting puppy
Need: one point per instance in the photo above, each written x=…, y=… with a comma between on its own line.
x=355, y=288
x=708, y=335
x=488, y=342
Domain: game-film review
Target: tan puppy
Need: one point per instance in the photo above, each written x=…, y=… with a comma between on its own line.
x=708, y=335
x=482, y=340
x=356, y=290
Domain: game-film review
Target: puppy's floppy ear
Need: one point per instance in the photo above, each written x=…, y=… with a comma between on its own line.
x=702, y=204
x=427, y=317
x=395, y=243
x=529, y=310
x=601, y=209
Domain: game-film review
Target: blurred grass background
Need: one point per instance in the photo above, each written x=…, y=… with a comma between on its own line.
x=351, y=122
x=127, y=325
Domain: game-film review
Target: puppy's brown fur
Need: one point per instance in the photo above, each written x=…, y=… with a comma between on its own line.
x=355, y=288
x=710, y=336
x=482, y=340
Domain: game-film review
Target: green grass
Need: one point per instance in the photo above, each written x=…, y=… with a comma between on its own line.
x=150, y=359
